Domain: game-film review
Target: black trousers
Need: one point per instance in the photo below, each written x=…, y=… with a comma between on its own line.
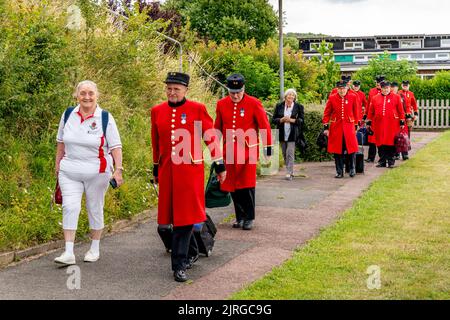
x=244, y=203
x=184, y=245
x=349, y=160
x=387, y=154
x=372, y=151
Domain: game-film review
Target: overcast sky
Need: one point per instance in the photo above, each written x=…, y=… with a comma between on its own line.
x=366, y=17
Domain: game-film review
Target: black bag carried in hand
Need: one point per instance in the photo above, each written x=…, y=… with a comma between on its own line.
x=322, y=140
x=214, y=197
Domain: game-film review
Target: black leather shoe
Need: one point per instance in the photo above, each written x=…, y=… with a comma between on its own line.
x=339, y=175
x=405, y=158
x=390, y=165
x=381, y=165
x=248, y=225
x=191, y=261
x=238, y=224
x=369, y=160
x=352, y=173
x=180, y=276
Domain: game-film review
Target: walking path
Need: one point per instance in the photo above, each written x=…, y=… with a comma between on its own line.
x=134, y=264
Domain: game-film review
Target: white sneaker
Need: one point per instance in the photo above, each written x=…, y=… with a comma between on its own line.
x=65, y=258
x=91, y=256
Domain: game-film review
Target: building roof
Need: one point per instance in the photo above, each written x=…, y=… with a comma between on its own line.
x=378, y=37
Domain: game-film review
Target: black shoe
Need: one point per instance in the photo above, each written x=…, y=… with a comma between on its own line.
x=339, y=175
x=238, y=224
x=405, y=158
x=390, y=165
x=397, y=158
x=248, y=225
x=381, y=165
x=352, y=173
x=369, y=160
x=180, y=276
x=191, y=261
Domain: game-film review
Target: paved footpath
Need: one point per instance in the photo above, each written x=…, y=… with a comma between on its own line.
x=134, y=265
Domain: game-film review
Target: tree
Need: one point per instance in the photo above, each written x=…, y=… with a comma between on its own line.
x=329, y=71
x=393, y=70
x=229, y=20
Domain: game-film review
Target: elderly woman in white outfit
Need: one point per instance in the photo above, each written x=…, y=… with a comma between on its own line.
x=84, y=164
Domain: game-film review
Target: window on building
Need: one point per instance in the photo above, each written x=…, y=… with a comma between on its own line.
x=445, y=43
x=384, y=46
x=315, y=45
x=416, y=56
x=429, y=56
x=410, y=44
x=442, y=56
x=403, y=57
x=353, y=45
x=360, y=59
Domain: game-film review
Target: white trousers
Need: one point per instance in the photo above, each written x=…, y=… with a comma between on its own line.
x=73, y=185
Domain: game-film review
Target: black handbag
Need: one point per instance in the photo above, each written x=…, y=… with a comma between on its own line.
x=214, y=197
x=322, y=140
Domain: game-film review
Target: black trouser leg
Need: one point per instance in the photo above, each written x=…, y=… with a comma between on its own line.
x=180, y=246
x=193, y=246
x=339, y=163
x=238, y=209
x=244, y=203
x=352, y=163
x=383, y=155
x=372, y=151
x=390, y=155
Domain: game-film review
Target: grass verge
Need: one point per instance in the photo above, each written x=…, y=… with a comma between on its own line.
x=401, y=225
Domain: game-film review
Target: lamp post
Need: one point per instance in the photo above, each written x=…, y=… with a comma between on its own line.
x=280, y=29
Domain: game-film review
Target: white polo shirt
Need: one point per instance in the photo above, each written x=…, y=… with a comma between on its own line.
x=86, y=149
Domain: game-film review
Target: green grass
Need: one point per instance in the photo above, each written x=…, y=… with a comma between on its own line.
x=401, y=224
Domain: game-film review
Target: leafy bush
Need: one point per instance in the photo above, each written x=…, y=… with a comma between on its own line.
x=41, y=61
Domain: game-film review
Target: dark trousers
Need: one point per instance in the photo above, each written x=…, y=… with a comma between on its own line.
x=348, y=159
x=387, y=154
x=183, y=244
x=244, y=203
x=345, y=158
x=372, y=151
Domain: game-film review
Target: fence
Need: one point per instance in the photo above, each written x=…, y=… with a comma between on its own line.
x=433, y=114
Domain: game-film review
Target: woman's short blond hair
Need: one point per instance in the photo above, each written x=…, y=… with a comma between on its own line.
x=84, y=82
x=291, y=91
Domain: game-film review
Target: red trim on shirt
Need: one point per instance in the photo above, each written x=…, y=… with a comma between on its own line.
x=101, y=155
x=84, y=119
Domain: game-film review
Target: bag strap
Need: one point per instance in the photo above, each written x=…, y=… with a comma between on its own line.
x=105, y=119
x=67, y=114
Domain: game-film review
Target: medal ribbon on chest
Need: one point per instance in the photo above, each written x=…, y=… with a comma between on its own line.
x=242, y=112
x=183, y=118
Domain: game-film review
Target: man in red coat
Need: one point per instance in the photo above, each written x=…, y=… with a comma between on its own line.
x=342, y=111
x=241, y=118
x=388, y=117
x=411, y=109
x=178, y=127
x=362, y=98
x=372, y=142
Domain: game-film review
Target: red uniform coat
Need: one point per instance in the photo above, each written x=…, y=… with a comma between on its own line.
x=240, y=152
x=181, y=172
x=385, y=113
x=363, y=103
x=372, y=93
x=343, y=112
x=410, y=101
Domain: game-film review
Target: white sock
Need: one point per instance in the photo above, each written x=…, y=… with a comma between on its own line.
x=95, y=246
x=69, y=247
